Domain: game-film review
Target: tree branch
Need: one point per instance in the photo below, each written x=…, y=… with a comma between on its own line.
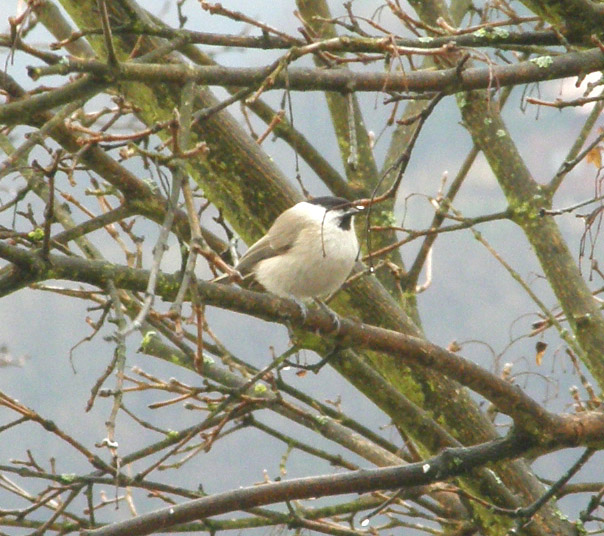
x=449, y=463
x=302, y=79
x=526, y=413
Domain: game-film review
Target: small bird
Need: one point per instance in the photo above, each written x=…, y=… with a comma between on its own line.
x=308, y=252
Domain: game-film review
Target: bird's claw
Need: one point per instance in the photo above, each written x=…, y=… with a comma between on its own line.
x=302, y=307
x=337, y=325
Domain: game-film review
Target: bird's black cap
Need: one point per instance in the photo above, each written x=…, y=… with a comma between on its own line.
x=330, y=202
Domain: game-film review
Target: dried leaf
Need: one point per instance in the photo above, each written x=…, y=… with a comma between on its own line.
x=595, y=157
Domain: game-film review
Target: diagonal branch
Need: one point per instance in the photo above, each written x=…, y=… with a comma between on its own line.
x=449, y=463
x=526, y=413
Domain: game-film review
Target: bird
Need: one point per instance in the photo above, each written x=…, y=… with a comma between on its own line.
x=308, y=252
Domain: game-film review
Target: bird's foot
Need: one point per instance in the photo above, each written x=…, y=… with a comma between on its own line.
x=302, y=307
x=337, y=325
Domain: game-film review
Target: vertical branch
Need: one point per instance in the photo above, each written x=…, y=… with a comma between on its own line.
x=197, y=241
x=120, y=364
x=111, y=56
x=343, y=109
x=400, y=166
x=50, y=203
x=353, y=154
x=413, y=274
x=49, y=212
x=180, y=134
x=184, y=134
x=527, y=198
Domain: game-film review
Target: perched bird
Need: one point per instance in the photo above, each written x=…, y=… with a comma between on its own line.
x=308, y=252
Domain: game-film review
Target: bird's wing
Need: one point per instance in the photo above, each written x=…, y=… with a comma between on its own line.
x=279, y=238
x=259, y=251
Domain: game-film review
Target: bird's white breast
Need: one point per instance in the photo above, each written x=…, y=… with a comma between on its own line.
x=317, y=264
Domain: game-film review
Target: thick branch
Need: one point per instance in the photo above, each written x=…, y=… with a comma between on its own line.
x=449, y=463
x=526, y=198
x=341, y=44
x=579, y=19
x=410, y=350
x=302, y=79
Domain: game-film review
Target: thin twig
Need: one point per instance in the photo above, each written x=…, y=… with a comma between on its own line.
x=111, y=56
x=568, y=338
x=569, y=164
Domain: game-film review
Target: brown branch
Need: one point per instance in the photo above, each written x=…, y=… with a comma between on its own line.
x=346, y=43
x=50, y=426
x=111, y=55
x=25, y=109
x=449, y=463
x=340, y=80
x=140, y=197
x=527, y=413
